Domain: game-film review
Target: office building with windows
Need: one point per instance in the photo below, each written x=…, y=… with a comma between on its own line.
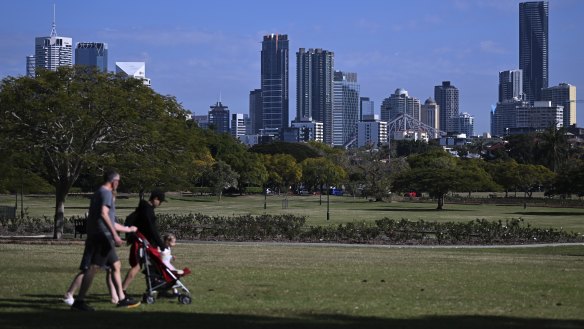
x=447, y=97
x=314, y=88
x=255, y=110
x=563, y=95
x=53, y=51
x=429, y=114
x=510, y=85
x=219, y=118
x=345, y=108
x=371, y=132
x=366, y=107
x=533, y=48
x=399, y=103
x=136, y=70
x=274, y=83
x=93, y=54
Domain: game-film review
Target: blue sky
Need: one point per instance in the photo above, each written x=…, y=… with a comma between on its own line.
x=199, y=50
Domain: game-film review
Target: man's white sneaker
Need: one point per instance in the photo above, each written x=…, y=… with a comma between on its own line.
x=69, y=300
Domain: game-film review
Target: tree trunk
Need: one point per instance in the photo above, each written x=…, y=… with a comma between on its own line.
x=440, y=201
x=59, y=213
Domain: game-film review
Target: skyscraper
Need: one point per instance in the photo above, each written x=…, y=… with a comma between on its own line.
x=255, y=110
x=511, y=104
x=366, y=107
x=92, y=54
x=314, y=88
x=274, y=81
x=465, y=124
x=30, y=66
x=564, y=95
x=510, y=85
x=533, y=48
x=399, y=103
x=53, y=51
x=345, y=107
x=446, y=96
x=240, y=125
x=429, y=114
x=219, y=118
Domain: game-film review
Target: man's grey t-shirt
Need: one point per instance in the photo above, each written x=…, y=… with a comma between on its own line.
x=101, y=197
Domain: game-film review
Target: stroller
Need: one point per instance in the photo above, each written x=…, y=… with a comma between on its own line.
x=159, y=278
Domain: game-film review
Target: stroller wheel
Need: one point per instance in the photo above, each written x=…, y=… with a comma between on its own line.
x=148, y=299
x=184, y=299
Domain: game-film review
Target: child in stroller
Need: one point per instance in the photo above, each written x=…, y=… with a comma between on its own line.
x=159, y=277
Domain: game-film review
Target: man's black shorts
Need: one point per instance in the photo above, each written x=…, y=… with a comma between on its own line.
x=99, y=250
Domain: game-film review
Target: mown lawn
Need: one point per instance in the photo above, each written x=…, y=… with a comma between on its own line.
x=341, y=209
x=298, y=286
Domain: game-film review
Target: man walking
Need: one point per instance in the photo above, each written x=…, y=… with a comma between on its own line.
x=102, y=239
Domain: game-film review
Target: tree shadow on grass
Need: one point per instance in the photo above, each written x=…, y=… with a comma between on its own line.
x=547, y=213
x=46, y=311
x=143, y=318
x=414, y=209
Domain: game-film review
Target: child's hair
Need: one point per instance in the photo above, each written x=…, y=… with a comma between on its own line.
x=168, y=237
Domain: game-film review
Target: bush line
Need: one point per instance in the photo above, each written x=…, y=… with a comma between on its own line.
x=291, y=228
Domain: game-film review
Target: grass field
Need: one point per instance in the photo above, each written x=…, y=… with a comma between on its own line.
x=341, y=209
x=298, y=286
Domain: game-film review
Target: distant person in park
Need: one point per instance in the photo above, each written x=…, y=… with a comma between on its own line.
x=144, y=219
x=101, y=241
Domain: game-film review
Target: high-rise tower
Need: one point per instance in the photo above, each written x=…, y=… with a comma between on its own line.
x=314, y=88
x=92, y=54
x=510, y=85
x=274, y=80
x=446, y=96
x=533, y=48
x=53, y=51
x=345, y=107
x=563, y=94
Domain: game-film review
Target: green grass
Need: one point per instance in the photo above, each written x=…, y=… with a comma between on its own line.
x=341, y=210
x=298, y=286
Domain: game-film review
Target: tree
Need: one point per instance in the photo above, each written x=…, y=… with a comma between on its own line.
x=571, y=179
x=283, y=171
x=533, y=178
x=554, y=148
x=222, y=177
x=505, y=173
x=76, y=118
x=373, y=167
x=477, y=177
x=319, y=172
x=436, y=173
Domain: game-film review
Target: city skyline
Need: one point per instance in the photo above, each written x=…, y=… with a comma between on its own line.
x=193, y=55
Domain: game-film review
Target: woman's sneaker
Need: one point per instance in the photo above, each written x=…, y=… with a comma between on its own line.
x=128, y=303
x=80, y=305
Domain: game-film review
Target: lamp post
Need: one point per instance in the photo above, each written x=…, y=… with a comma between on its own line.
x=328, y=194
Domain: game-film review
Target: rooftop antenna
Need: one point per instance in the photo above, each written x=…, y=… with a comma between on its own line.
x=219, y=96
x=54, y=28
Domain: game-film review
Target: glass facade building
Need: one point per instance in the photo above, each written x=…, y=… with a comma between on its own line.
x=533, y=48
x=345, y=107
x=92, y=54
x=314, y=88
x=274, y=82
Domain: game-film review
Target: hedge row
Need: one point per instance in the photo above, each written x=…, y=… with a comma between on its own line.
x=292, y=228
